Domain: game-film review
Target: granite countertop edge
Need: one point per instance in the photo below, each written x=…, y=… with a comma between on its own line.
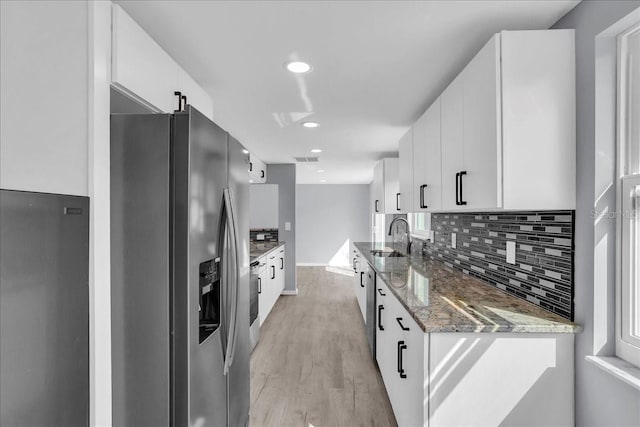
x=253, y=255
x=549, y=322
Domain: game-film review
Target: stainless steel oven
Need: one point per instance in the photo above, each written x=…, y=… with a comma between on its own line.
x=254, y=289
x=370, y=324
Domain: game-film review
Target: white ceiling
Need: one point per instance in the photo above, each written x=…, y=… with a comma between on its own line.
x=377, y=65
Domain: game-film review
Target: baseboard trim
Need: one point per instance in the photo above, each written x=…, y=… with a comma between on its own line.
x=289, y=292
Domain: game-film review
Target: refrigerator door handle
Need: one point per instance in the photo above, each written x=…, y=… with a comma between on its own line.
x=233, y=284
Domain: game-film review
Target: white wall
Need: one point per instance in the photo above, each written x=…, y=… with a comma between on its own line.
x=329, y=216
x=54, y=136
x=44, y=85
x=601, y=399
x=263, y=202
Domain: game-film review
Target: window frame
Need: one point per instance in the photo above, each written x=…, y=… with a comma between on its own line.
x=627, y=346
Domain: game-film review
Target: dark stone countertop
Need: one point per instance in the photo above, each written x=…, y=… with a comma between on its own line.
x=258, y=249
x=442, y=299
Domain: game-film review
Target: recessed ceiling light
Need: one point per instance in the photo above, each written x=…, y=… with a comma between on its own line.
x=316, y=150
x=298, y=67
x=323, y=180
x=320, y=170
x=245, y=151
x=310, y=124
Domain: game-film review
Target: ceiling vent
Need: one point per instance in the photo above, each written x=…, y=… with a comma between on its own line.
x=306, y=159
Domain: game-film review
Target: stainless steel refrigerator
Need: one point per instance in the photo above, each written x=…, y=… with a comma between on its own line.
x=44, y=309
x=180, y=272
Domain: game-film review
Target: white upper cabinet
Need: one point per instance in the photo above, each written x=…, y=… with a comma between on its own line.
x=391, y=186
x=479, y=179
x=406, y=172
x=377, y=201
x=427, y=168
x=506, y=128
x=452, y=112
x=386, y=187
x=195, y=95
x=538, y=119
x=141, y=69
x=257, y=170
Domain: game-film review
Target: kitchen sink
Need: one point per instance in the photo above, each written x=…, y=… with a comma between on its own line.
x=390, y=254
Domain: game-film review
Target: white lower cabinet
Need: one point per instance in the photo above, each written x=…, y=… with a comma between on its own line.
x=400, y=353
x=359, y=280
x=472, y=379
x=271, y=281
x=263, y=290
x=279, y=280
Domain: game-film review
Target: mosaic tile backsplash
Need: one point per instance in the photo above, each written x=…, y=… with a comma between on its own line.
x=263, y=235
x=543, y=272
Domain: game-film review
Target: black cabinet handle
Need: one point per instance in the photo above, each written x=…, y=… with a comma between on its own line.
x=250, y=166
x=377, y=206
x=401, y=346
x=380, y=308
x=381, y=293
x=261, y=173
x=361, y=276
x=273, y=271
x=179, y=95
x=259, y=285
x=457, y=188
x=399, y=320
x=398, y=201
x=462, y=173
x=281, y=263
x=422, y=205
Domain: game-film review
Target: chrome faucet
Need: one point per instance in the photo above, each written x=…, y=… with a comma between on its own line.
x=408, y=231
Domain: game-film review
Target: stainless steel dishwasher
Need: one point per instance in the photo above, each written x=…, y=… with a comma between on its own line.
x=370, y=324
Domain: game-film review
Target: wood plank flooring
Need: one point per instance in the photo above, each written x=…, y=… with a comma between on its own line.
x=312, y=366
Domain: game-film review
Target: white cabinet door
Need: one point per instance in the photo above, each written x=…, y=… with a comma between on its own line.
x=406, y=172
x=538, y=107
x=362, y=289
x=391, y=186
x=480, y=186
x=427, y=170
x=406, y=367
x=264, y=298
x=410, y=354
x=196, y=96
x=385, y=355
x=378, y=188
x=272, y=281
x=257, y=170
x=452, y=113
x=140, y=68
x=280, y=270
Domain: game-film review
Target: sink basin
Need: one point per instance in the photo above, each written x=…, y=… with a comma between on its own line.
x=390, y=254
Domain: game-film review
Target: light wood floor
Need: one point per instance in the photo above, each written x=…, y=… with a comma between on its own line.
x=312, y=366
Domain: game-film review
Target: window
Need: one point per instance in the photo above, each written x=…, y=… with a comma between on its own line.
x=628, y=295
x=420, y=224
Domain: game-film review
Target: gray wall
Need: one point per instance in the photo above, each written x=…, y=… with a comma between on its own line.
x=601, y=400
x=264, y=206
x=328, y=216
x=285, y=176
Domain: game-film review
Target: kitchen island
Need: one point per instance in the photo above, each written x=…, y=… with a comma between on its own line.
x=455, y=351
